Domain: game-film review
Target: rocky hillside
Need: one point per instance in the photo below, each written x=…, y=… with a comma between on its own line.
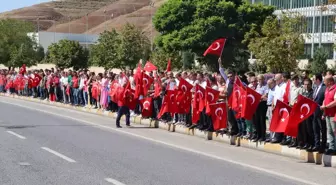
x=87, y=16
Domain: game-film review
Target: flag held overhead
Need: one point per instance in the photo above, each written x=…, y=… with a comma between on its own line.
x=216, y=48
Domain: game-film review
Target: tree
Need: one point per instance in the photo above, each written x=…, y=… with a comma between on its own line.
x=160, y=59
x=120, y=50
x=279, y=44
x=134, y=45
x=16, y=47
x=67, y=54
x=105, y=53
x=194, y=24
x=319, y=63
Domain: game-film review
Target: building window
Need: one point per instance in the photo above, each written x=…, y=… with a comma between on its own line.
x=302, y=3
x=327, y=24
x=328, y=47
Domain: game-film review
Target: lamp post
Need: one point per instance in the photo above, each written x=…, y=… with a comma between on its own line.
x=151, y=4
x=69, y=24
x=87, y=29
x=105, y=20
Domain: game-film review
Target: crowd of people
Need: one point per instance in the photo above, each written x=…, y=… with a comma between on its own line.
x=145, y=92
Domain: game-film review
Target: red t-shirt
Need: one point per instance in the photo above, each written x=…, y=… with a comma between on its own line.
x=75, y=83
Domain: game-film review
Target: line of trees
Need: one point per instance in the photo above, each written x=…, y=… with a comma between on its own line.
x=186, y=29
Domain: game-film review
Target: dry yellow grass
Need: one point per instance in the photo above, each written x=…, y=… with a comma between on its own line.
x=73, y=15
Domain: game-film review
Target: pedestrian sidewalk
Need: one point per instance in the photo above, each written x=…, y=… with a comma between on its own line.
x=311, y=157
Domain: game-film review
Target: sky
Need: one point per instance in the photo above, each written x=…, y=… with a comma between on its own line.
x=15, y=4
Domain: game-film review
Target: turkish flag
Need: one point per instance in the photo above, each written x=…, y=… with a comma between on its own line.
x=211, y=96
x=157, y=86
x=216, y=47
x=150, y=67
x=37, y=79
x=235, y=100
x=287, y=92
x=94, y=91
x=250, y=103
x=198, y=103
x=128, y=97
x=184, y=86
x=22, y=70
x=280, y=117
x=168, y=66
x=139, y=85
x=137, y=73
x=146, y=107
x=147, y=81
x=218, y=115
x=169, y=104
x=199, y=97
x=301, y=110
x=113, y=91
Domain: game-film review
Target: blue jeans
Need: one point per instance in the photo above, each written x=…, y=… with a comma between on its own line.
x=41, y=91
x=85, y=97
x=2, y=88
x=75, y=93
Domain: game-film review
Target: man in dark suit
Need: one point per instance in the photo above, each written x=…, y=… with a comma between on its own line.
x=319, y=125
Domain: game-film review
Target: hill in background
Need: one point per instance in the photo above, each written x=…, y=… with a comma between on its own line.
x=88, y=16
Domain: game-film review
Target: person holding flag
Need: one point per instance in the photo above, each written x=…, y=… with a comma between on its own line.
x=229, y=81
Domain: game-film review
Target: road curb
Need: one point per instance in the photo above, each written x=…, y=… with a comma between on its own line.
x=310, y=157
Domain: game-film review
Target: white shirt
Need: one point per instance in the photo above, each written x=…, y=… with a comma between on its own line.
x=262, y=89
x=279, y=92
x=64, y=80
x=294, y=93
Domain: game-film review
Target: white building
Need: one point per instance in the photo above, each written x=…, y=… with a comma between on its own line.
x=45, y=39
x=320, y=24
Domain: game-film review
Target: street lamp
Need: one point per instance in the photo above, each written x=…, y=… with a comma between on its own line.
x=69, y=24
x=105, y=20
x=151, y=5
x=87, y=29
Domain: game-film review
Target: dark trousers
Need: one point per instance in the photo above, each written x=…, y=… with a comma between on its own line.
x=320, y=128
x=232, y=121
x=260, y=119
x=306, y=135
x=123, y=110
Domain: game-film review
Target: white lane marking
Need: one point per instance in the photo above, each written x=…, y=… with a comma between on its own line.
x=15, y=134
x=268, y=171
x=59, y=155
x=113, y=181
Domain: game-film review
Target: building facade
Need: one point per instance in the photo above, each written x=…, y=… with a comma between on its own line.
x=320, y=17
x=45, y=39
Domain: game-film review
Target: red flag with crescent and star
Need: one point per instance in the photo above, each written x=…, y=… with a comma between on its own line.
x=211, y=96
x=280, y=117
x=149, y=66
x=183, y=97
x=147, y=81
x=198, y=103
x=218, y=115
x=157, y=86
x=139, y=85
x=199, y=97
x=169, y=104
x=301, y=110
x=216, y=47
x=37, y=79
x=146, y=107
x=250, y=103
x=129, y=95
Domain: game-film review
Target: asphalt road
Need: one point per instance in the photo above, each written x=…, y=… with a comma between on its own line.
x=45, y=145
